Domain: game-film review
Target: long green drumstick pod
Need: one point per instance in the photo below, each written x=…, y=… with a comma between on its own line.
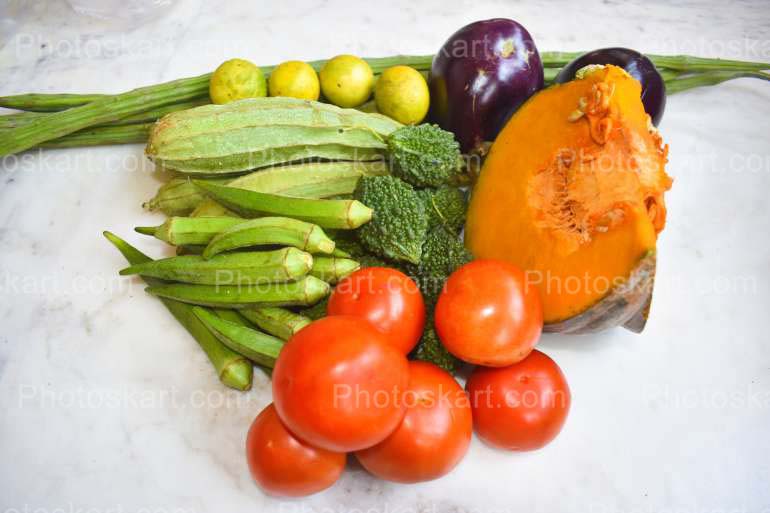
x=103, y=110
x=233, y=369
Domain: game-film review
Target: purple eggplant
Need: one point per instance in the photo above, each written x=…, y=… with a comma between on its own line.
x=637, y=65
x=481, y=75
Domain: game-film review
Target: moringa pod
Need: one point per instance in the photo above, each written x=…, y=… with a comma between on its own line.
x=282, y=231
x=189, y=231
x=326, y=213
x=259, y=132
x=305, y=291
x=246, y=268
x=281, y=322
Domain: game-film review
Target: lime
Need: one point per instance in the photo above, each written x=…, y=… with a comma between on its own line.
x=295, y=79
x=402, y=94
x=237, y=79
x=346, y=81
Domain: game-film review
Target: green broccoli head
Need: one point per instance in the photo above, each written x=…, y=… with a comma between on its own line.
x=430, y=349
x=399, y=222
x=445, y=206
x=424, y=155
x=442, y=253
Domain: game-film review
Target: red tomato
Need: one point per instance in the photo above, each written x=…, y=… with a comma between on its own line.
x=488, y=314
x=521, y=407
x=434, y=435
x=284, y=465
x=337, y=384
x=387, y=298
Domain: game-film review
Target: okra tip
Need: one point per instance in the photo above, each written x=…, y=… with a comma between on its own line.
x=146, y=230
x=237, y=373
x=358, y=214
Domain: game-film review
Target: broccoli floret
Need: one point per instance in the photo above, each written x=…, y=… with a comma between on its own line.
x=430, y=349
x=445, y=206
x=424, y=155
x=442, y=253
x=399, y=222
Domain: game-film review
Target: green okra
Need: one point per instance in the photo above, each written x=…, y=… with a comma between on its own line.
x=348, y=214
x=178, y=197
x=303, y=292
x=307, y=180
x=189, y=231
x=232, y=316
x=258, y=347
x=247, y=268
x=340, y=253
x=332, y=269
x=233, y=369
x=282, y=231
x=281, y=322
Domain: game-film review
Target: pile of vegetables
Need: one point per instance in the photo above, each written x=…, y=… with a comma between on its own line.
x=317, y=211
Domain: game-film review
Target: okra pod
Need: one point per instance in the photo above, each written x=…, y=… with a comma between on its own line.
x=258, y=347
x=332, y=269
x=178, y=197
x=232, y=316
x=305, y=291
x=281, y=322
x=233, y=369
x=189, y=231
x=307, y=180
x=247, y=268
x=282, y=231
x=325, y=213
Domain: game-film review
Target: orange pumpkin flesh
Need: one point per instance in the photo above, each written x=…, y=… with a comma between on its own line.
x=572, y=192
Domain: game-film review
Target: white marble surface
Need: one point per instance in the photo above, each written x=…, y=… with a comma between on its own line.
x=108, y=406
